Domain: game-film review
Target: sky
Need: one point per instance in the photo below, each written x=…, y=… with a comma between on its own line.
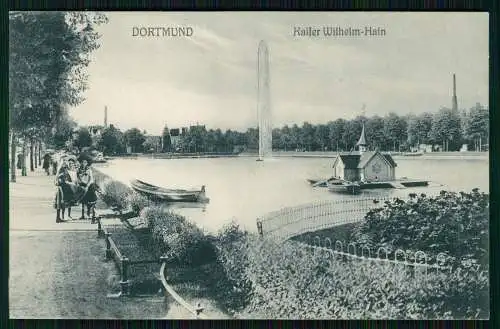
x=210, y=77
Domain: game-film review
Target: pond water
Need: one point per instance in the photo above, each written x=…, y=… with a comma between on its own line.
x=243, y=189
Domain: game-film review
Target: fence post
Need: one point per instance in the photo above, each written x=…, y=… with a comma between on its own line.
x=124, y=283
x=108, y=245
x=99, y=228
x=259, y=227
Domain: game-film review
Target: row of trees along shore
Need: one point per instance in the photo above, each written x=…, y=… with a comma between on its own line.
x=447, y=128
x=48, y=54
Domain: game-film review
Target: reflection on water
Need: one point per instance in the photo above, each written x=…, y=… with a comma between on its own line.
x=244, y=189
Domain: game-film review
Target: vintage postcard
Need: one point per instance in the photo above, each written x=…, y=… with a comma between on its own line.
x=249, y=165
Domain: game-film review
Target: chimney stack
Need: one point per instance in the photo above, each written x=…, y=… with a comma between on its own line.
x=454, y=102
x=105, y=117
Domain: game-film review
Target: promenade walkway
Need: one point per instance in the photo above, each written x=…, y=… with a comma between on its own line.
x=58, y=270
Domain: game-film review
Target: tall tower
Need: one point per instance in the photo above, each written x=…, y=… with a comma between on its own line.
x=264, y=101
x=454, y=103
x=105, y=117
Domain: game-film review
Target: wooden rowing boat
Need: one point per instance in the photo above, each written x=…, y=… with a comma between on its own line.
x=170, y=195
x=320, y=182
x=340, y=186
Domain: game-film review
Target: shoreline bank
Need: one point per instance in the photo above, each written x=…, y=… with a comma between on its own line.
x=191, y=294
x=315, y=154
x=430, y=155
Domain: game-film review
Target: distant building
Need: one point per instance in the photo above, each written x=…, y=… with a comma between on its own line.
x=175, y=138
x=176, y=135
x=197, y=126
x=425, y=148
x=364, y=165
x=437, y=148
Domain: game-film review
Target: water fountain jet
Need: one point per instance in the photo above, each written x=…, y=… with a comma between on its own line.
x=263, y=102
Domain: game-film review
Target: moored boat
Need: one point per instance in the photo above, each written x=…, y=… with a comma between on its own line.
x=319, y=182
x=170, y=195
x=341, y=186
x=412, y=154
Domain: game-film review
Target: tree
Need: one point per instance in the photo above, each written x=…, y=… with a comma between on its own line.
x=210, y=141
x=276, y=138
x=135, y=139
x=336, y=128
x=375, y=132
x=446, y=129
x=166, y=141
x=419, y=128
x=395, y=129
x=352, y=131
x=198, y=134
x=307, y=135
x=62, y=131
x=232, y=139
x=321, y=136
x=296, y=137
x=47, y=52
x=112, y=141
x=285, y=138
x=83, y=138
x=477, y=125
x=151, y=144
x=252, y=138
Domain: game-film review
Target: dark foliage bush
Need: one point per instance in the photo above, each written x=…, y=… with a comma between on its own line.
x=230, y=233
x=230, y=241
x=137, y=202
x=177, y=238
x=453, y=223
x=115, y=194
x=292, y=281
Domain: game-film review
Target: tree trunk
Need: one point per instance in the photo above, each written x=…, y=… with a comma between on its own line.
x=32, y=163
x=39, y=153
x=480, y=148
x=23, y=160
x=13, y=158
x=35, y=143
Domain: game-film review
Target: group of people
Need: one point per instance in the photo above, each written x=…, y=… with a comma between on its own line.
x=75, y=185
x=48, y=163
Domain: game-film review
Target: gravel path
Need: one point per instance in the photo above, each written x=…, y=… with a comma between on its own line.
x=58, y=270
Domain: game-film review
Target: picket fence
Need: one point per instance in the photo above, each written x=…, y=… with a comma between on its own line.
x=292, y=221
x=289, y=222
